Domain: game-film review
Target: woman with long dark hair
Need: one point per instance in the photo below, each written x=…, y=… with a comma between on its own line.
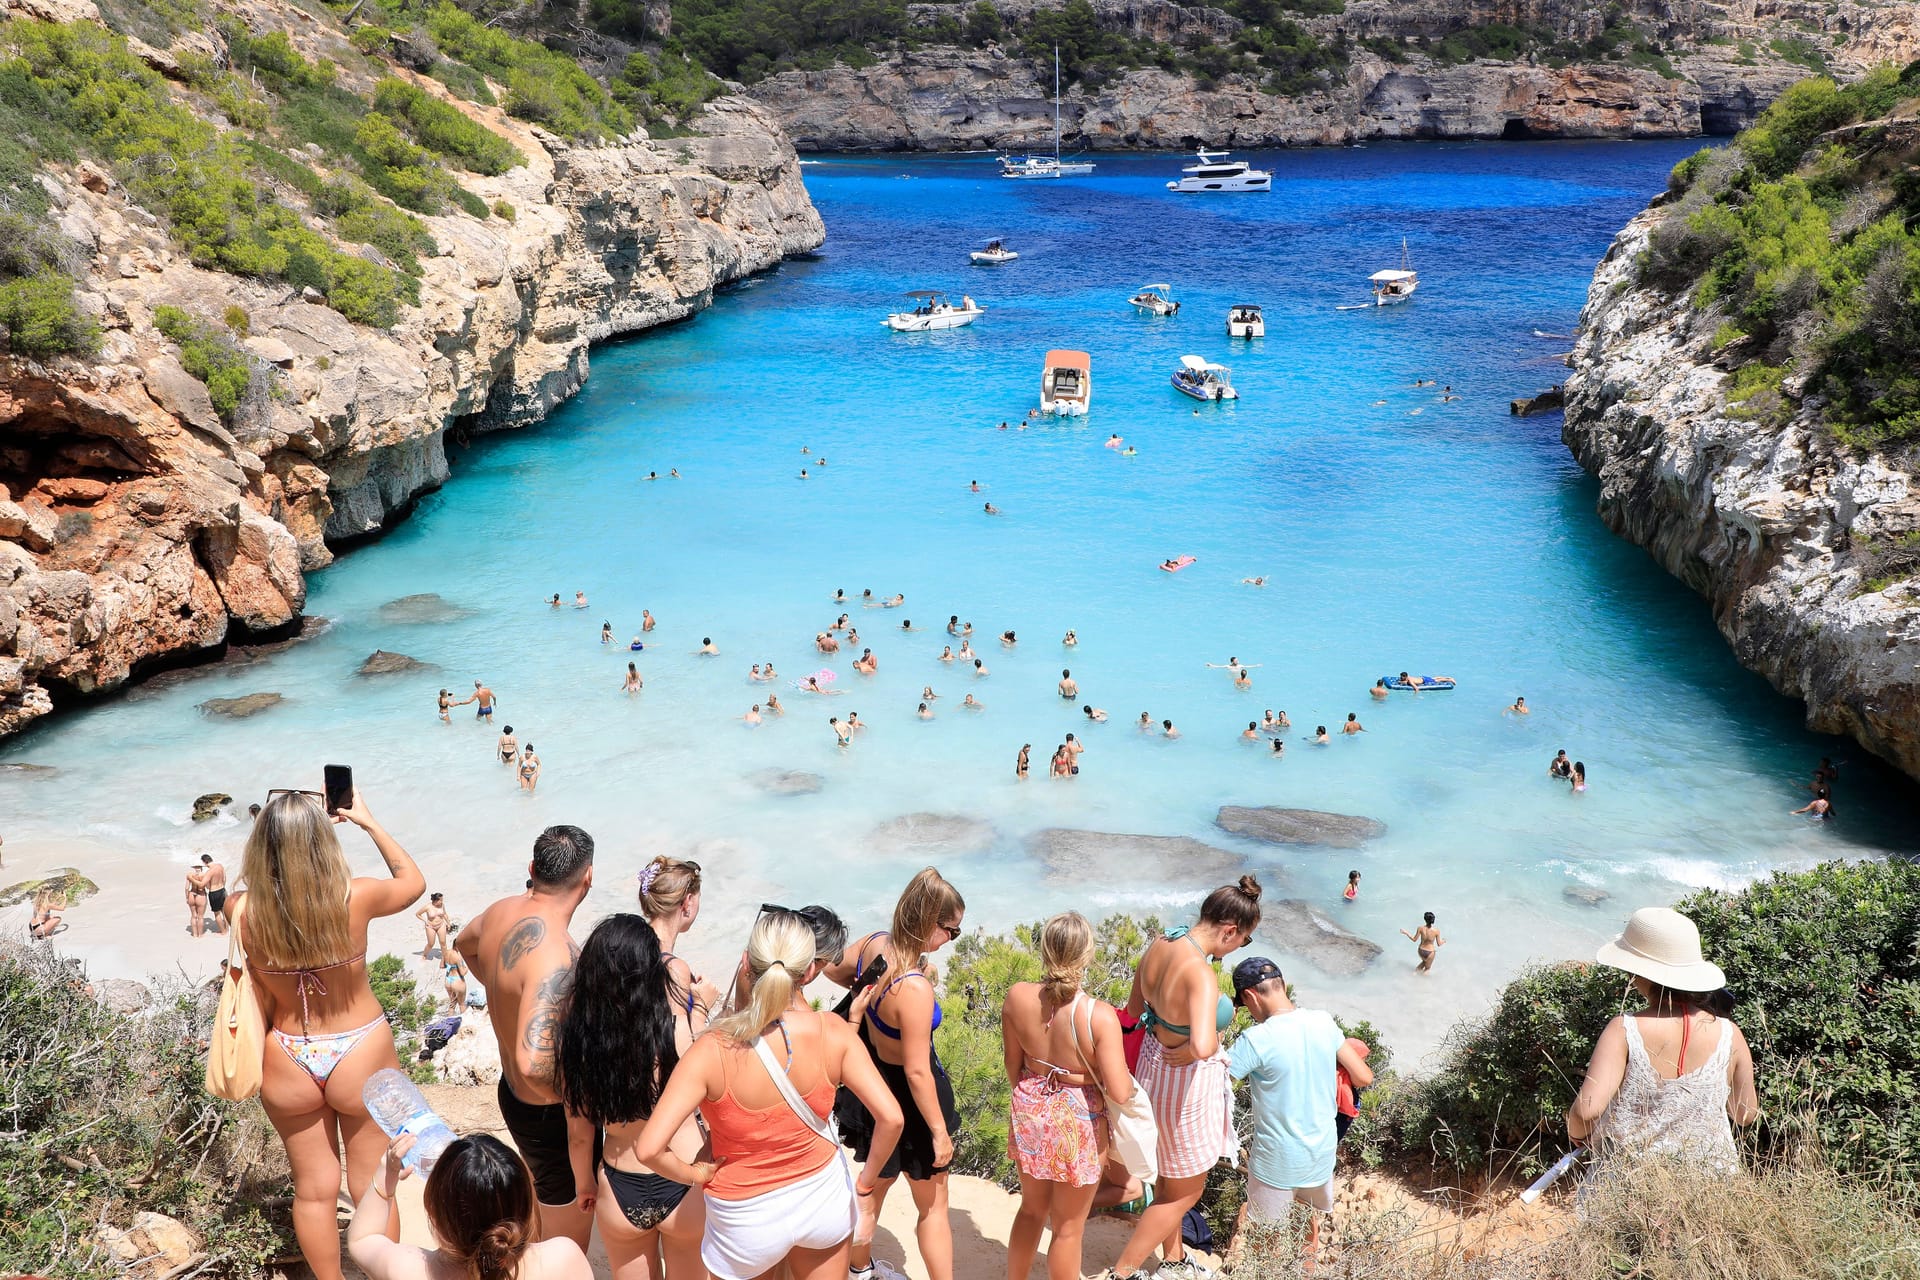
x=481, y=1210
x=621, y=1035
x=303, y=920
x=778, y=1188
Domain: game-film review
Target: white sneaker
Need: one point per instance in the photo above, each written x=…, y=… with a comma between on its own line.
x=884, y=1270
x=1185, y=1269
x=860, y=1273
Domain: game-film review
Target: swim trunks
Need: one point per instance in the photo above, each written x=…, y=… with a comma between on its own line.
x=540, y=1134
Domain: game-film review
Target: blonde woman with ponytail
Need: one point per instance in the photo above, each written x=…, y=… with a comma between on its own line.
x=1061, y=1049
x=777, y=1188
x=302, y=921
x=670, y=900
x=481, y=1209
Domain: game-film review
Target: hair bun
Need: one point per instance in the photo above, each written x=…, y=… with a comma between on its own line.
x=497, y=1253
x=1250, y=887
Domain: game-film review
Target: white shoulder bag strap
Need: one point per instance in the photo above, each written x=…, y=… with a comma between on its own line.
x=823, y=1128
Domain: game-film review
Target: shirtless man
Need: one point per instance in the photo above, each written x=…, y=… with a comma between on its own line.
x=1560, y=766
x=520, y=951
x=773, y=705
x=1353, y=724
x=433, y=918
x=1095, y=714
x=1068, y=689
x=1519, y=708
x=482, y=695
x=841, y=731
x=646, y=621
x=707, y=649
x=216, y=873
x=197, y=901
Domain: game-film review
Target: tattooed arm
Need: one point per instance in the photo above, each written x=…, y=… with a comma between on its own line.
x=540, y=1027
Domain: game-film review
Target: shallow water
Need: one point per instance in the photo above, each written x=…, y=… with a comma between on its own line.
x=1414, y=533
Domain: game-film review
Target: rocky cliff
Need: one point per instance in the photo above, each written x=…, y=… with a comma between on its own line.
x=136, y=528
x=1721, y=68
x=1770, y=519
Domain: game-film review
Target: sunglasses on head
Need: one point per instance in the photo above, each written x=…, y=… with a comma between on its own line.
x=295, y=791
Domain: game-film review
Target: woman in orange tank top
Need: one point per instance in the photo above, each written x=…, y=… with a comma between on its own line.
x=777, y=1188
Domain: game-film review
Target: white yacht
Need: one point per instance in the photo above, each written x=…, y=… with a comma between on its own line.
x=993, y=255
x=931, y=310
x=1044, y=166
x=1066, y=383
x=1217, y=172
x=1156, y=299
x=1203, y=380
x=1245, y=321
x=1390, y=287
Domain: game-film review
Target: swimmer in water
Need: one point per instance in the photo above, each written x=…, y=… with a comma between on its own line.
x=841, y=732
x=1129, y=452
x=1819, y=807
x=853, y=636
x=1167, y=729
x=1007, y=639
x=866, y=663
x=1026, y=752
x=606, y=633
x=895, y=601
x=1145, y=723
x=1579, y=778
x=555, y=602
x=1379, y=689
x=975, y=485
x=1241, y=680
x=446, y=700
x=1095, y=714
x=1320, y=738
x=1253, y=730
x=752, y=716
x=652, y=475
x=966, y=630
x=673, y=473
x=1114, y=441
x=1076, y=746
x=1070, y=640
x=529, y=769
x=579, y=599
x=839, y=623
x=925, y=712
x=803, y=473
x=770, y=673
x=632, y=683
x=508, y=746
x=1353, y=724
x=646, y=621
x=826, y=643
x=1426, y=940
x=1255, y=582
x=1068, y=689
x=854, y=722
x=636, y=644
x=953, y=624
x=973, y=704
x=1352, y=891
x=754, y=675
x=1519, y=708
x=926, y=691
x=1169, y=563
x=1268, y=724
x=1560, y=767
x=966, y=651
x=1279, y=748
x=1061, y=766
x=773, y=705
x=991, y=509
x=946, y=653
x=908, y=625
x=840, y=595
x=707, y=649
x=979, y=668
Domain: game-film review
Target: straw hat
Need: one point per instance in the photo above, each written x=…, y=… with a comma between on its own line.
x=1663, y=946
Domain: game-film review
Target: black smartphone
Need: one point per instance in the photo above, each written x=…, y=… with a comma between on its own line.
x=339, y=787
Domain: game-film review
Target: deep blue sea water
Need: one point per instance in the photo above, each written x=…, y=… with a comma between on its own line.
x=1396, y=530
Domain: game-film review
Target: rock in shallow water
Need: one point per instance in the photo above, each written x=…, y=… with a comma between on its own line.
x=208, y=806
x=382, y=663
x=1299, y=826
x=427, y=607
x=240, y=708
x=1301, y=928
x=787, y=782
x=1093, y=857
x=1585, y=894
x=943, y=832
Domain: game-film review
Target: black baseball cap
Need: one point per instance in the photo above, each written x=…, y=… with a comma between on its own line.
x=1250, y=973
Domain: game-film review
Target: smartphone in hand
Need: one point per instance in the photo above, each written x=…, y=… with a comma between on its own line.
x=339, y=788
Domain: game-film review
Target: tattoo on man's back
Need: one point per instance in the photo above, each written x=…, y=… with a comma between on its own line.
x=521, y=939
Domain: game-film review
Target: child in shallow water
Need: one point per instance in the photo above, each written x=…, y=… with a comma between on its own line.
x=1353, y=886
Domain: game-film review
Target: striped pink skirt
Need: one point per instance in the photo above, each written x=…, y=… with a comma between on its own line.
x=1192, y=1109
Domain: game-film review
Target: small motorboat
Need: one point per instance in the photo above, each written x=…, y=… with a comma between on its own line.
x=1066, y=383
x=1155, y=299
x=1203, y=380
x=1390, y=287
x=1244, y=321
x=932, y=311
x=993, y=255
x=1216, y=171
x=1418, y=682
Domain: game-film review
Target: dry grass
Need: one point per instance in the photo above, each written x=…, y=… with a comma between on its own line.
x=1794, y=1218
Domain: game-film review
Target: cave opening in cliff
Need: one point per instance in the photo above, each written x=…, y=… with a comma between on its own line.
x=1516, y=131
x=38, y=447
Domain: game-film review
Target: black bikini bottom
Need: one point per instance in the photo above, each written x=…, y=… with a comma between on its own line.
x=645, y=1198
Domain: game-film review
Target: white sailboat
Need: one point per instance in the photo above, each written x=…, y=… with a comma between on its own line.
x=1390, y=287
x=1041, y=166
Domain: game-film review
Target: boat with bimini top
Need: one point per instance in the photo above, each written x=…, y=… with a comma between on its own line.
x=932, y=311
x=1155, y=299
x=1066, y=383
x=1397, y=285
x=1203, y=380
x=1245, y=321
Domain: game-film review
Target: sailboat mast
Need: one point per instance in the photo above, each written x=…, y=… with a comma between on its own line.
x=1056, y=106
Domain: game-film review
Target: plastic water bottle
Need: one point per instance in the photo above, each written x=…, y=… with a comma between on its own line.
x=397, y=1106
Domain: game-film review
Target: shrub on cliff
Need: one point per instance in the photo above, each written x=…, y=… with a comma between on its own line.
x=233, y=378
x=104, y=1115
x=1825, y=969
x=443, y=128
x=664, y=88
x=38, y=315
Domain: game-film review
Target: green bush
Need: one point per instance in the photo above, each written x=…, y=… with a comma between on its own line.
x=209, y=356
x=399, y=995
x=504, y=211
x=274, y=55
x=664, y=89
x=1825, y=967
x=546, y=87
x=443, y=128
x=38, y=317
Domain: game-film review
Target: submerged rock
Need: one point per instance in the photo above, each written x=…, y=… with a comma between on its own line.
x=1299, y=826
x=240, y=708
x=70, y=884
x=946, y=832
x=208, y=806
x=787, y=782
x=1585, y=894
x=1094, y=857
x=29, y=770
x=426, y=608
x=382, y=663
x=1300, y=927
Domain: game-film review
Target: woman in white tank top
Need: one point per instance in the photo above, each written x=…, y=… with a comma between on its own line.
x=1674, y=1078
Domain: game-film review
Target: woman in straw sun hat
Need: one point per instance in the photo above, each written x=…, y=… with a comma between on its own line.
x=1673, y=1078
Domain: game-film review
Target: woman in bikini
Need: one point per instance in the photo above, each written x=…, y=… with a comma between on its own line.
x=47, y=906
x=670, y=901
x=1062, y=1049
x=624, y=1013
x=1176, y=994
x=302, y=922
x=778, y=1192
x=632, y=684
x=508, y=747
x=897, y=1024
x=1426, y=940
x=529, y=769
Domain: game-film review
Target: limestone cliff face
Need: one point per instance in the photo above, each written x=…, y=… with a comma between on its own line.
x=1767, y=522
x=136, y=528
x=947, y=98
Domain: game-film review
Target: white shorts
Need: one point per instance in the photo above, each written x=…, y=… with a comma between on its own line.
x=748, y=1238
x=1273, y=1204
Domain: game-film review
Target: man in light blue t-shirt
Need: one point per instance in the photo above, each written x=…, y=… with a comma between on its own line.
x=1289, y=1057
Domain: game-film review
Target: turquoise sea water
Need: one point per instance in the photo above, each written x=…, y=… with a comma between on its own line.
x=1413, y=533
